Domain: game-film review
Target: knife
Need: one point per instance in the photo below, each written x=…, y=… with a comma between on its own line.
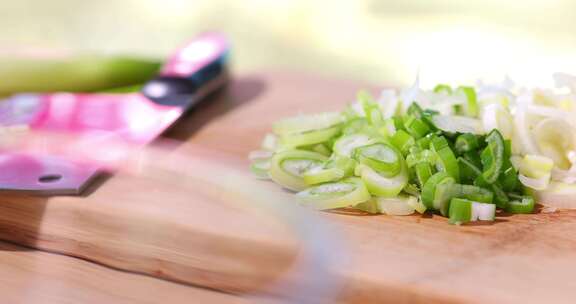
x=195, y=70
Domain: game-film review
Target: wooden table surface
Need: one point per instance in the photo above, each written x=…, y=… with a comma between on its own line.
x=190, y=227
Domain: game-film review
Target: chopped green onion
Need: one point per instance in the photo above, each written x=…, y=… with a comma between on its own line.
x=463, y=211
x=417, y=127
x=473, y=193
x=309, y=137
x=381, y=157
x=509, y=179
x=423, y=173
x=346, y=145
x=417, y=205
x=371, y=206
x=439, y=142
x=492, y=157
x=442, y=196
x=431, y=197
x=424, y=142
x=460, y=211
x=457, y=124
x=471, y=106
x=270, y=142
x=371, y=108
x=355, y=125
x=520, y=204
x=401, y=205
x=287, y=168
x=500, y=197
x=402, y=141
x=411, y=189
x=388, y=128
x=260, y=167
x=425, y=156
x=468, y=171
x=381, y=185
x=445, y=159
x=465, y=143
x=334, y=169
x=346, y=193
x=395, y=157
x=415, y=110
x=443, y=88
x=307, y=123
x=318, y=175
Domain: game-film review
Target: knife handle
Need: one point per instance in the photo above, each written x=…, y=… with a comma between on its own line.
x=192, y=72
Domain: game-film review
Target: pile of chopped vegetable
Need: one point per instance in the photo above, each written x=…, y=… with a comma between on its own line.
x=462, y=152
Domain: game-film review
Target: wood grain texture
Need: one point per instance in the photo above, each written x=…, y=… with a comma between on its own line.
x=146, y=227
x=29, y=277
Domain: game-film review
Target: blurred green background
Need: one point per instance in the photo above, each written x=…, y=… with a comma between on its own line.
x=380, y=42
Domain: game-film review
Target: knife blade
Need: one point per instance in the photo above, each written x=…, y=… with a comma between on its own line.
x=195, y=70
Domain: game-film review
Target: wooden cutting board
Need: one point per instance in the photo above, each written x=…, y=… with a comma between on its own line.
x=30, y=277
x=192, y=233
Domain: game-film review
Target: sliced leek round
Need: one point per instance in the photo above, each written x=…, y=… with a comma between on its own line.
x=309, y=137
x=381, y=157
x=463, y=211
x=401, y=205
x=287, y=168
x=458, y=124
x=346, y=193
x=260, y=168
x=381, y=185
x=437, y=191
x=307, y=123
x=332, y=170
x=270, y=142
x=346, y=144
